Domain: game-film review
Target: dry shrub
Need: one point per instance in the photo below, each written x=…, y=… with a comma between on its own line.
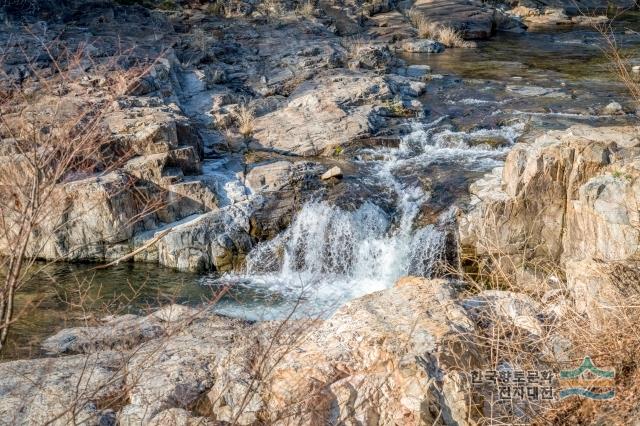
x=306, y=9
x=608, y=335
x=51, y=138
x=621, y=61
x=354, y=45
x=245, y=118
x=426, y=28
x=451, y=37
x=445, y=34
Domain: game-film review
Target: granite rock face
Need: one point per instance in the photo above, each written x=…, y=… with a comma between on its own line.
x=60, y=391
x=376, y=359
x=568, y=198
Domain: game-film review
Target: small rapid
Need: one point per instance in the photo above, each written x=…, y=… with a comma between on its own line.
x=330, y=255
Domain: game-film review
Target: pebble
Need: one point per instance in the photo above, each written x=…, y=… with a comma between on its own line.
x=335, y=172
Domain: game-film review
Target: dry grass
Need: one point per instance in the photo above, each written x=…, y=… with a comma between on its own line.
x=444, y=34
x=566, y=334
x=451, y=37
x=621, y=62
x=245, y=118
x=306, y=9
x=354, y=45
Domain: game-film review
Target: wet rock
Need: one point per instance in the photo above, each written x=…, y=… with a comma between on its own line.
x=270, y=177
x=536, y=91
x=421, y=46
x=613, y=108
x=218, y=240
x=334, y=172
x=414, y=71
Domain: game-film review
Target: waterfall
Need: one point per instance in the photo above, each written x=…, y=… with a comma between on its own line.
x=329, y=255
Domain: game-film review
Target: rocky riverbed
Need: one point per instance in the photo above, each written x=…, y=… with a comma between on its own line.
x=307, y=157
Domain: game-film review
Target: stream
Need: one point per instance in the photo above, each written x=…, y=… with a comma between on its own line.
x=480, y=102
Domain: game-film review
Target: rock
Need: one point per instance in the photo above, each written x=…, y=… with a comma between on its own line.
x=528, y=8
x=569, y=199
x=322, y=114
x=613, y=108
x=174, y=372
x=175, y=314
x=598, y=288
x=495, y=308
x=528, y=207
x=398, y=340
x=536, y=91
x=60, y=391
x=421, y=46
x=373, y=56
x=334, y=172
x=270, y=177
x=92, y=216
x=122, y=332
x=119, y=333
x=178, y=417
x=414, y=71
x=218, y=240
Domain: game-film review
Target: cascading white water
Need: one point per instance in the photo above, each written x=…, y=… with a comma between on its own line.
x=331, y=255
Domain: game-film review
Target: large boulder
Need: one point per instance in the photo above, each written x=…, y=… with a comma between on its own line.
x=568, y=199
x=392, y=357
x=175, y=371
x=61, y=391
x=559, y=197
x=323, y=114
x=216, y=240
x=474, y=19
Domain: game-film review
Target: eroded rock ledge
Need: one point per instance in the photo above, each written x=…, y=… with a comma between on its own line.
x=569, y=199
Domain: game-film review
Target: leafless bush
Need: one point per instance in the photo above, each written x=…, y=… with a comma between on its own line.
x=49, y=140
x=622, y=62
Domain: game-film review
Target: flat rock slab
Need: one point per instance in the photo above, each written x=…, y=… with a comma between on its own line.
x=60, y=391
